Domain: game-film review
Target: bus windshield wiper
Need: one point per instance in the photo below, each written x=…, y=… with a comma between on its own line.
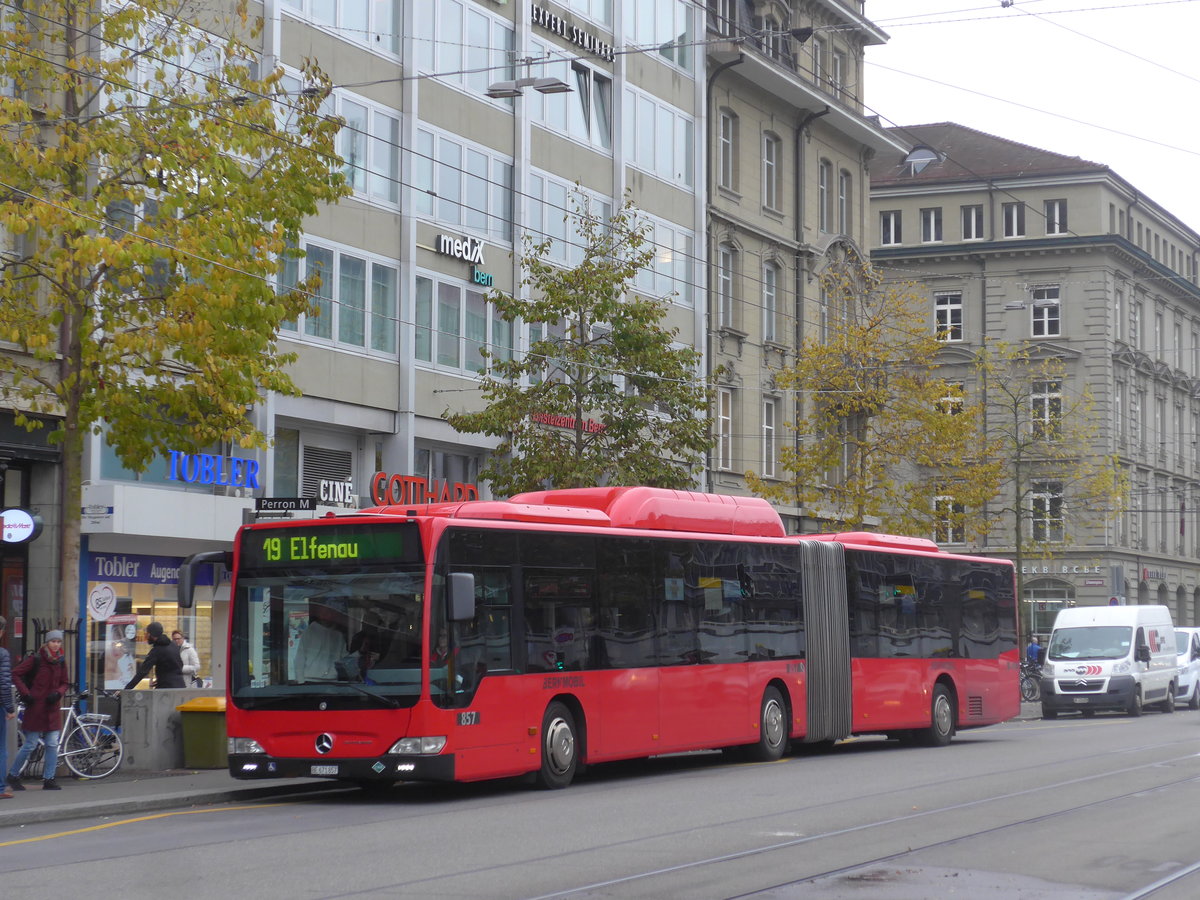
x=362, y=690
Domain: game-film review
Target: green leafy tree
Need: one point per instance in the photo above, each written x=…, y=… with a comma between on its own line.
x=150, y=182
x=602, y=396
x=882, y=436
x=1042, y=435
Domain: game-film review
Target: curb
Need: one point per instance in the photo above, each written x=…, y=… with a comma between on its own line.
x=159, y=802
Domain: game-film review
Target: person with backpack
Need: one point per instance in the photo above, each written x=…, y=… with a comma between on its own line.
x=42, y=681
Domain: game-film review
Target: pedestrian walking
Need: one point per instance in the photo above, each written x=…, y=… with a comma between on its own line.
x=41, y=680
x=189, y=657
x=8, y=710
x=164, y=658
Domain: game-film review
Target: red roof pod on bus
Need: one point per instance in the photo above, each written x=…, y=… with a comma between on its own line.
x=875, y=539
x=662, y=509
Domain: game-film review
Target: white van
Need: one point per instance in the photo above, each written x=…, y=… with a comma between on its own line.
x=1110, y=657
x=1187, y=645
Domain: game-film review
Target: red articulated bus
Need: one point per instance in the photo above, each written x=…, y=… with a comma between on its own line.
x=483, y=639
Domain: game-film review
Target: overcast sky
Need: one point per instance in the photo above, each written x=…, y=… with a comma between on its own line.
x=1116, y=82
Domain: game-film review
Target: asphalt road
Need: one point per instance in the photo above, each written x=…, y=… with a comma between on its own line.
x=1081, y=809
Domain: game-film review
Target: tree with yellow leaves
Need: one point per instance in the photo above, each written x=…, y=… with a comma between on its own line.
x=151, y=180
x=882, y=439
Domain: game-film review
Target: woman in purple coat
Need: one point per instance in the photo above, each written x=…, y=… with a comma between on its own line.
x=41, y=681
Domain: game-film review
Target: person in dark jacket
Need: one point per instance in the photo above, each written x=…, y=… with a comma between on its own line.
x=41, y=681
x=163, y=658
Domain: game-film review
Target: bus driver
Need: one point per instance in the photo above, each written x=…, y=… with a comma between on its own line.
x=323, y=642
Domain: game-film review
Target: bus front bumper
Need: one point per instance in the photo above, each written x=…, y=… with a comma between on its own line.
x=383, y=768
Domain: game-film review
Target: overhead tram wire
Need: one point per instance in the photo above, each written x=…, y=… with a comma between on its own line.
x=745, y=303
x=331, y=300
x=693, y=258
x=902, y=21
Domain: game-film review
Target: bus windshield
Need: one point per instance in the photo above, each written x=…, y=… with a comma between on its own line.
x=328, y=616
x=1090, y=642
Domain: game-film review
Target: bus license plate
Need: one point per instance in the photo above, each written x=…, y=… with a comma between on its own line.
x=322, y=770
x=1081, y=699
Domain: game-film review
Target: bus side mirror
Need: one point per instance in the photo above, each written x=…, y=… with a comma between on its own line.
x=1142, y=654
x=461, y=592
x=187, y=573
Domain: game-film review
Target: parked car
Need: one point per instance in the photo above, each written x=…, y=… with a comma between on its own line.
x=1187, y=689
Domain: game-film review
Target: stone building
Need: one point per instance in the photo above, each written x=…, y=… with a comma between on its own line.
x=1019, y=244
x=788, y=148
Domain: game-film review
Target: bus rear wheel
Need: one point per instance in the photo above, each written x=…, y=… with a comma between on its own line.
x=560, y=757
x=772, y=728
x=941, y=725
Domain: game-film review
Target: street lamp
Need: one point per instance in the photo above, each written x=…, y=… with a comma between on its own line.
x=514, y=88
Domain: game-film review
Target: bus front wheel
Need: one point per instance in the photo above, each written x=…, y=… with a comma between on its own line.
x=772, y=728
x=560, y=757
x=941, y=725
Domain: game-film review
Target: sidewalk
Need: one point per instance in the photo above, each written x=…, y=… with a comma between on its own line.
x=142, y=792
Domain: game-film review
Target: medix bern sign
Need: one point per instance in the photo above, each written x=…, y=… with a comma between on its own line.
x=413, y=489
x=469, y=249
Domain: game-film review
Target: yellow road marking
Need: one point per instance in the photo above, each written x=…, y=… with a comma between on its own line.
x=181, y=812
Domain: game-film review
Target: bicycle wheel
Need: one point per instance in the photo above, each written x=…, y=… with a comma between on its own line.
x=1030, y=689
x=92, y=750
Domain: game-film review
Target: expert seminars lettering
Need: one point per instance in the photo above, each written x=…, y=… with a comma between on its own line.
x=577, y=36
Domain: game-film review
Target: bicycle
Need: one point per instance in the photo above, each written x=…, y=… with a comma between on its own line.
x=90, y=747
x=1031, y=681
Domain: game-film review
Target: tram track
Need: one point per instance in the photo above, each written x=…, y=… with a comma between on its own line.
x=891, y=858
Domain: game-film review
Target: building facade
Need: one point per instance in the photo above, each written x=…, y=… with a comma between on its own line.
x=737, y=129
x=469, y=124
x=1064, y=256
x=788, y=148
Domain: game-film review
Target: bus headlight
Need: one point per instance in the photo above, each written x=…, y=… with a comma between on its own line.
x=244, y=745
x=419, y=746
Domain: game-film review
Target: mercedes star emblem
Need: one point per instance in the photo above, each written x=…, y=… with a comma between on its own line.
x=324, y=743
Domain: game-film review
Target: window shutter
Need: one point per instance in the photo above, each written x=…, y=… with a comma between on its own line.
x=323, y=464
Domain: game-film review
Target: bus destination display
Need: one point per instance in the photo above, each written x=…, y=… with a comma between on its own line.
x=331, y=545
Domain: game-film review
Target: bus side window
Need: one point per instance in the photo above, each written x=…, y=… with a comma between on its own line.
x=625, y=603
